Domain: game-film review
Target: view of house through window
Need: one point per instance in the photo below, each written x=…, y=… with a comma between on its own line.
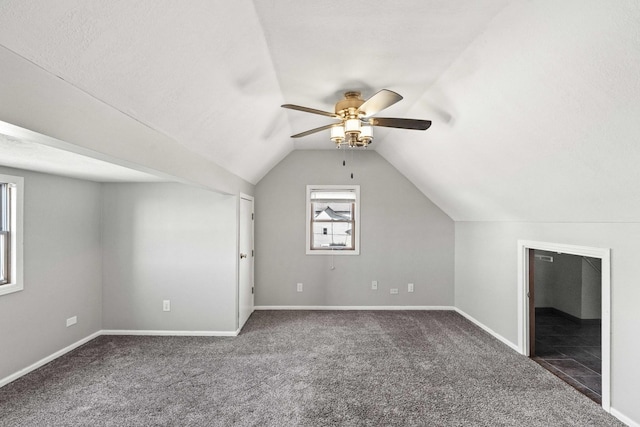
x=332, y=218
x=11, y=188
x=5, y=233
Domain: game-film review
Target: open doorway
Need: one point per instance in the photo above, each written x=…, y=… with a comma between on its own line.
x=566, y=337
x=564, y=313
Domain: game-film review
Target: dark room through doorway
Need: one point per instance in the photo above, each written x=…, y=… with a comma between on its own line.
x=565, y=293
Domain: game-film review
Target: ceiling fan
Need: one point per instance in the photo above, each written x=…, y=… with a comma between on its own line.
x=355, y=125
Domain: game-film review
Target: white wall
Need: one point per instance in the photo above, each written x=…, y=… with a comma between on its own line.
x=62, y=271
x=169, y=241
x=486, y=286
x=405, y=238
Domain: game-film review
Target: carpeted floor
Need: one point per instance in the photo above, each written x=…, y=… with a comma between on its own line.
x=302, y=368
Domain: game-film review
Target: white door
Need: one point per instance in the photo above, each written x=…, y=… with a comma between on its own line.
x=245, y=274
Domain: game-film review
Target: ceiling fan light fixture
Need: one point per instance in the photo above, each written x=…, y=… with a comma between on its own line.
x=352, y=126
x=366, y=132
x=337, y=134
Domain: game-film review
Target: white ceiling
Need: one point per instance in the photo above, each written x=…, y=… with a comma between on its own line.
x=534, y=103
x=35, y=156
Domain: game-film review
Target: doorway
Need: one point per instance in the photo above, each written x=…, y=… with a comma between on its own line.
x=245, y=260
x=566, y=333
x=564, y=321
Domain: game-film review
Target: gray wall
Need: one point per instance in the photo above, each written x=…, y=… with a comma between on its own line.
x=62, y=271
x=405, y=238
x=486, y=286
x=558, y=284
x=543, y=281
x=591, y=289
x=569, y=284
x=169, y=241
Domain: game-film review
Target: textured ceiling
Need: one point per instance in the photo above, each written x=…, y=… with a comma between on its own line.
x=534, y=103
x=22, y=154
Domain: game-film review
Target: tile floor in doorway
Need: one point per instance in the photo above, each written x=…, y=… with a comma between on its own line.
x=570, y=350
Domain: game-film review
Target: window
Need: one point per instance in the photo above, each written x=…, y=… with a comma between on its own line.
x=10, y=234
x=333, y=219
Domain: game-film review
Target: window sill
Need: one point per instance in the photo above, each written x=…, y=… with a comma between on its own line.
x=10, y=288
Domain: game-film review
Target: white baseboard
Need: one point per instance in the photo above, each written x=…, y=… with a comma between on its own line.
x=44, y=361
x=353, y=307
x=488, y=330
x=51, y=357
x=171, y=333
x=619, y=415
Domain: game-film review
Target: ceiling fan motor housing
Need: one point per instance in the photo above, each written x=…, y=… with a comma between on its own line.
x=349, y=105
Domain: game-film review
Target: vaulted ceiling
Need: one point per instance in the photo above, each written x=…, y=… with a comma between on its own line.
x=534, y=104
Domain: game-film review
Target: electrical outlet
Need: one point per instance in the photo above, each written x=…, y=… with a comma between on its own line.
x=374, y=285
x=299, y=288
x=394, y=291
x=166, y=305
x=410, y=287
x=72, y=321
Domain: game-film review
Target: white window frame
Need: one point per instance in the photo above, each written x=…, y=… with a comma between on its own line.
x=356, y=216
x=16, y=203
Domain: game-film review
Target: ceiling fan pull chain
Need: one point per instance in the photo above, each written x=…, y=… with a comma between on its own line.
x=344, y=157
x=353, y=163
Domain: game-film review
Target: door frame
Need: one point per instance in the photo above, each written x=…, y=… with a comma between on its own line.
x=252, y=273
x=524, y=249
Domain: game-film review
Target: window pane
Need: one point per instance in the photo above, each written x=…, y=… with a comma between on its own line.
x=4, y=234
x=4, y=257
x=337, y=236
x=332, y=221
x=332, y=211
x=4, y=207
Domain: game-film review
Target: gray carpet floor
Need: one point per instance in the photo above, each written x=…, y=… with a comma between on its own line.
x=302, y=368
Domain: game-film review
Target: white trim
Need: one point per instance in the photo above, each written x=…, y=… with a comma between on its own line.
x=354, y=307
x=394, y=308
x=44, y=361
x=488, y=330
x=49, y=141
x=16, y=230
x=171, y=333
x=619, y=415
x=253, y=260
x=523, y=304
x=121, y=332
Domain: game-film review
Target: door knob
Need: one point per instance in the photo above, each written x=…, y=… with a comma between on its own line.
x=243, y=255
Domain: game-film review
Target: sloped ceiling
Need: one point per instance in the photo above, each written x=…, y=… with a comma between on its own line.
x=535, y=103
x=21, y=154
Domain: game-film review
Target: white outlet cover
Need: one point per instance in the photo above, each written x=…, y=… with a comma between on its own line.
x=394, y=291
x=410, y=287
x=72, y=321
x=299, y=287
x=374, y=285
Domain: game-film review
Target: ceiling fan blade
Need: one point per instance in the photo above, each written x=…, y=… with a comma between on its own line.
x=309, y=110
x=401, y=123
x=378, y=102
x=309, y=132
